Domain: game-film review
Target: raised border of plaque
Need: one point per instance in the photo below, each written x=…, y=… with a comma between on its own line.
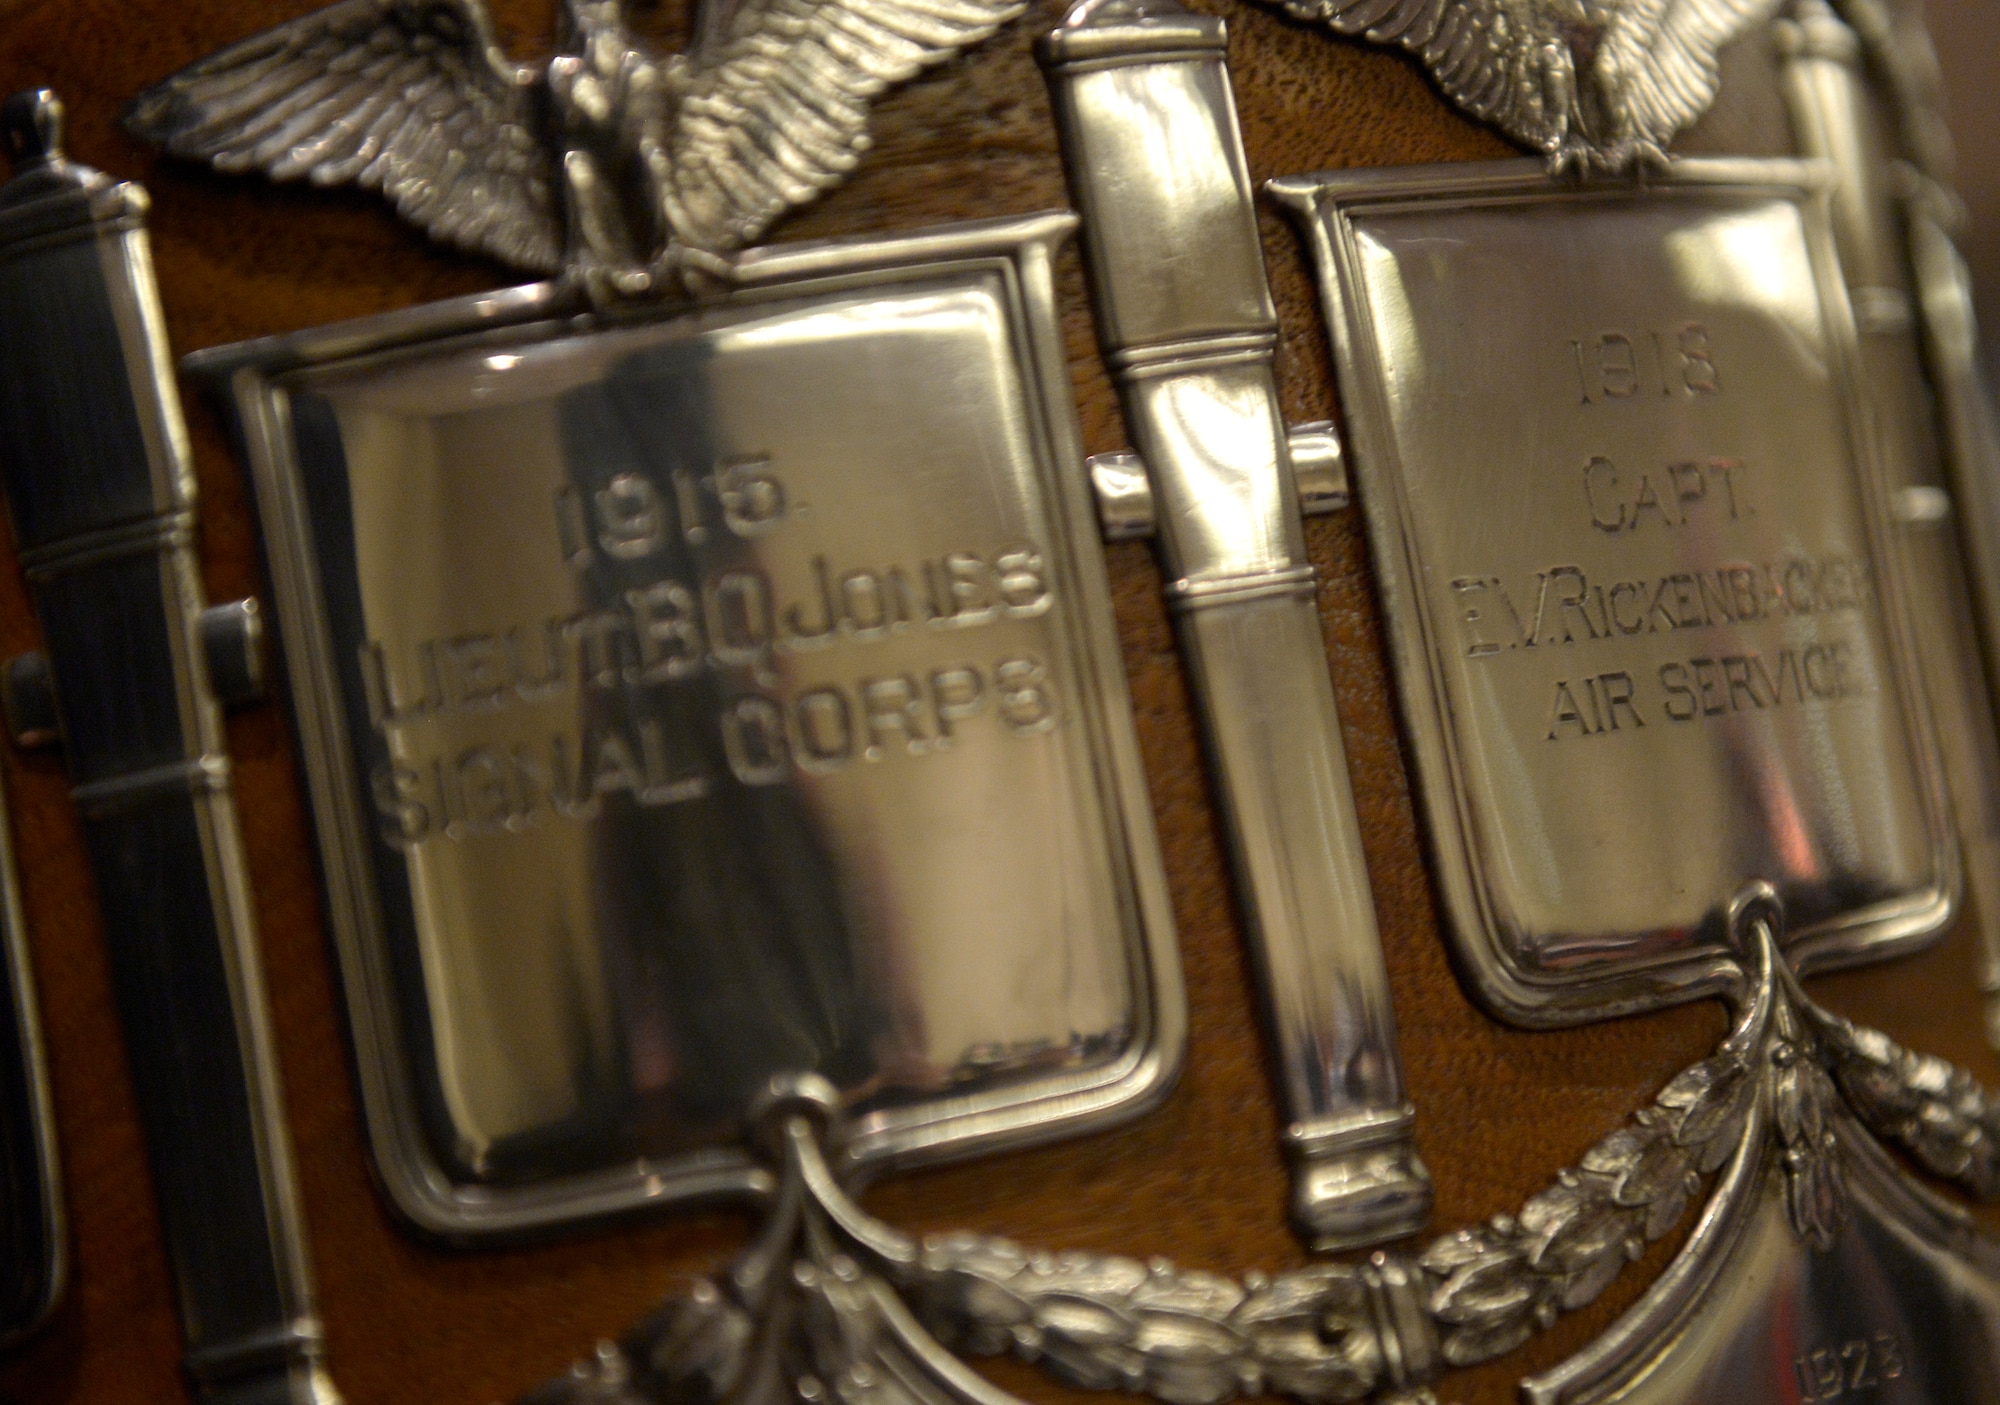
x=1859, y=851
x=995, y=1097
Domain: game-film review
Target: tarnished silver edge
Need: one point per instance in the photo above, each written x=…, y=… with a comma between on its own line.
x=1519, y=996
x=1524, y=176
x=250, y=381
x=35, y=1081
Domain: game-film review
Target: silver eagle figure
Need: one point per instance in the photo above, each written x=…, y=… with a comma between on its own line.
x=1598, y=86
x=631, y=171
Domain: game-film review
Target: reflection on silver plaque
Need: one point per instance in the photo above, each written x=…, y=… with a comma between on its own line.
x=1629, y=543
x=708, y=697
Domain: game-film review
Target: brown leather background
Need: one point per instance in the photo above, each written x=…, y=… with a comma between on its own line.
x=1200, y=1181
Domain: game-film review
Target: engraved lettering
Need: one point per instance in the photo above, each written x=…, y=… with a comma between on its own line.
x=1731, y=473
x=825, y=726
x=1565, y=711
x=908, y=605
x=1026, y=702
x=1648, y=498
x=1626, y=590
x=742, y=621
x=1748, y=682
x=1854, y=1367
x=602, y=639
x=1618, y=690
x=663, y=785
x=666, y=621
x=798, y=634
x=957, y=693
x=687, y=499
x=753, y=740
x=1521, y=635
x=527, y=686
x=406, y=819
x=631, y=518
x=483, y=781
x=1612, y=362
x=1673, y=496
x=613, y=767
x=863, y=603
x=1470, y=615
x=385, y=708
x=1582, y=383
x=1680, y=704
x=1020, y=583
x=1600, y=486
x=1690, y=486
x=1572, y=597
x=753, y=499
x=1698, y=374
x=1601, y=704
x=1859, y=1377
x=1572, y=609
x=1617, y=368
x=968, y=582
x=894, y=711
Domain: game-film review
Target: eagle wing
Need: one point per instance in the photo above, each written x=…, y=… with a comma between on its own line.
x=413, y=98
x=1485, y=54
x=775, y=107
x=1659, y=56
x=1506, y=60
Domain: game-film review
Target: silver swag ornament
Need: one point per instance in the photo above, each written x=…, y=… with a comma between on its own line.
x=628, y=169
x=1785, y=1120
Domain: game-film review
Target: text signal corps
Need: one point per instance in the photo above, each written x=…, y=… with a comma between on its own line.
x=642, y=651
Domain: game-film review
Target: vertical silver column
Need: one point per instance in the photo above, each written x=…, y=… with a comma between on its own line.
x=1156, y=166
x=98, y=485
x=1942, y=458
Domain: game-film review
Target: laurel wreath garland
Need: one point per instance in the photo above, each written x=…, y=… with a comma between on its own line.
x=832, y=1307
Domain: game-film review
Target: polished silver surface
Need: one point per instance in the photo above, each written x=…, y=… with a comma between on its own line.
x=1631, y=541
x=1903, y=1306
x=1598, y=87
x=1156, y=164
x=101, y=497
x=1125, y=507
x=1828, y=1276
x=631, y=171
x=1935, y=431
x=1816, y=1269
x=708, y=697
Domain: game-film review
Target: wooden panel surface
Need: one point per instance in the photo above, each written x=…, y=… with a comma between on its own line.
x=1201, y=1181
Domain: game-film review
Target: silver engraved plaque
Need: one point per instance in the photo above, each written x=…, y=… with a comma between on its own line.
x=708, y=698
x=1629, y=541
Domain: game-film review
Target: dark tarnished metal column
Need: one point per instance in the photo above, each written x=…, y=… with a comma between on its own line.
x=1185, y=316
x=101, y=496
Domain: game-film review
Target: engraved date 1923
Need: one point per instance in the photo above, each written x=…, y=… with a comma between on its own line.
x=1849, y=1369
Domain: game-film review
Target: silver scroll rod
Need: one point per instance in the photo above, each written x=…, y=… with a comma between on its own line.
x=94, y=459
x=1156, y=166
